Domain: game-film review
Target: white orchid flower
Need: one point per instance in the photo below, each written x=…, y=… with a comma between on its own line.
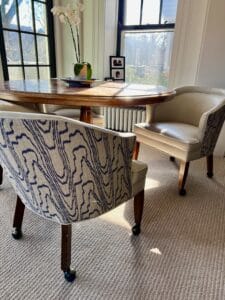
x=62, y=18
x=71, y=15
x=80, y=6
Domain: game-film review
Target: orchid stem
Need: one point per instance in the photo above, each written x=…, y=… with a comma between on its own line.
x=78, y=39
x=74, y=43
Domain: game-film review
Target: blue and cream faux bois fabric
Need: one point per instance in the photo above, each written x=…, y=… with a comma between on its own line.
x=64, y=170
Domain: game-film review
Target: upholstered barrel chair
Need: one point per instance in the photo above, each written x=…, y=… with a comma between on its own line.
x=68, y=171
x=186, y=127
x=9, y=106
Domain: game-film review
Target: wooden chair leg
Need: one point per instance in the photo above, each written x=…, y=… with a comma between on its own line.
x=18, y=219
x=183, y=172
x=138, y=211
x=136, y=150
x=1, y=174
x=69, y=274
x=209, y=160
x=86, y=114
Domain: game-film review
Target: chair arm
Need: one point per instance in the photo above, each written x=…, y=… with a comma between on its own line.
x=210, y=125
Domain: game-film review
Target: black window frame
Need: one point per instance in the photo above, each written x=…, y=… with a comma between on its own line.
x=122, y=27
x=49, y=35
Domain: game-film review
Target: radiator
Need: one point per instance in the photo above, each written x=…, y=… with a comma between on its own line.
x=123, y=119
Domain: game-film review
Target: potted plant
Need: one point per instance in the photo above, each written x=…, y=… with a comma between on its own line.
x=71, y=16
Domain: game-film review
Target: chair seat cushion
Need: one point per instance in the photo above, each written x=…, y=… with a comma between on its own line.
x=9, y=106
x=73, y=113
x=68, y=112
x=138, y=171
x=177, y=139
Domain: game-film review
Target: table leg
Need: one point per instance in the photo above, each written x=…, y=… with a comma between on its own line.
x=85, y=114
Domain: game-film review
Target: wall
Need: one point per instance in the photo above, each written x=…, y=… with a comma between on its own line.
x=99, y=34
x=93, y=35
x=211, y=69
x=111, y=17
x=190, y=23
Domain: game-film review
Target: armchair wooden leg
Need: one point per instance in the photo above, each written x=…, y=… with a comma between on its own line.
x=1, y=174
x=18, y=219
x=69, y=274
x=209, y=160
x=183, y=172
x=136, y=150
x=138, y=211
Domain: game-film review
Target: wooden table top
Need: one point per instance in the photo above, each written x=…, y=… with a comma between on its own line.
x=55, y=91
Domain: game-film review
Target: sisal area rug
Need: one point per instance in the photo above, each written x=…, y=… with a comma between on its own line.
x=179, y=255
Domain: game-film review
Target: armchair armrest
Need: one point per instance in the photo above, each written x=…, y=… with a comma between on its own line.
x=210, y=126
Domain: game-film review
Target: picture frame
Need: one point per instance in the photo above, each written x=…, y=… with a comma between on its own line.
x=117, y=68
x=118, y=74
x=117, y=62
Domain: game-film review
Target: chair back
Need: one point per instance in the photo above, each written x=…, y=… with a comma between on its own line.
x=65, y=170
x=188, y=105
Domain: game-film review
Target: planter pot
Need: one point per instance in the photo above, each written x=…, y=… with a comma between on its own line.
x=83, y=71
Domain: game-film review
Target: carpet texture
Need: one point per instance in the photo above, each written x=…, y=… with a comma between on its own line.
x=180, y=253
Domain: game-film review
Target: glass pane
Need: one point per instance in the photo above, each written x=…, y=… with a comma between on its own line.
x=15, y=73
x=31, y=73
x=132, y=12
x=150, y=13
x=44, y=72
x=8, y=11
x=40, y=17
x=25, y=15
x=28, y=47
x=42, y=43
x=12, y=47
x=152, y=68
x=169, y=10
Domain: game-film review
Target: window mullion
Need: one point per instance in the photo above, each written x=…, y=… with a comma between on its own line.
x=35, y=39
x=2, y=51
x=141, y=11
x=51, y=39
x=121, y=13
x=160, y=11
x=20, y=39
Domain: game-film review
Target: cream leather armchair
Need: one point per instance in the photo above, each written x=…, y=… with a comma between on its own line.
x=186, y=127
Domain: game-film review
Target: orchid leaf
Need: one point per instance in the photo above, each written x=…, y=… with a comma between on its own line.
x=89, y=71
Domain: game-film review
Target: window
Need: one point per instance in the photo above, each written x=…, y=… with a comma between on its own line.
x=145, y=38
x=26, y=39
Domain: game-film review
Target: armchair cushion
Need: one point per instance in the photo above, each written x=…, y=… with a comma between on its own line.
x=138, y=173
x=9, y=106
x=68, y=112
x=177, y=139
